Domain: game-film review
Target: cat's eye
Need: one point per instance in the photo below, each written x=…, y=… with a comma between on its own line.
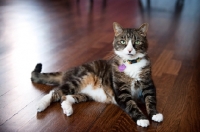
x=138, y=42
x=122, y=42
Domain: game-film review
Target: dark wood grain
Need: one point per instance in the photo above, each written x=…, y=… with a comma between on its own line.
x=66, y=33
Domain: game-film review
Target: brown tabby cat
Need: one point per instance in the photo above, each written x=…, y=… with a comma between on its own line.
x=121, y=81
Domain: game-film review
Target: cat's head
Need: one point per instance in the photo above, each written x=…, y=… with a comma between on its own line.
x=130, y=43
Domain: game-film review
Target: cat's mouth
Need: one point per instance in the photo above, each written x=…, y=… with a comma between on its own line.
x=130, y=54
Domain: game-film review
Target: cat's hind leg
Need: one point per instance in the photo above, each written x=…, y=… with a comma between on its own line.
x=52, y=96
x=68, y=100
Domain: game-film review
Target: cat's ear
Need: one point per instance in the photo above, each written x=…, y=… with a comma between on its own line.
x=143, y=29
x=117, y=28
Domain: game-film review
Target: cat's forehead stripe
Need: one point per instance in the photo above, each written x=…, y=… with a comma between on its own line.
x=129, y=33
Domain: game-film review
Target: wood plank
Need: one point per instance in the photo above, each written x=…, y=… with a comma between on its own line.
x=174, y=106
x=84, y=115
x=111, y=119
x=191, y=113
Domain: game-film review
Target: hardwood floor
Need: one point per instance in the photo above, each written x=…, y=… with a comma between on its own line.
x=66, y=33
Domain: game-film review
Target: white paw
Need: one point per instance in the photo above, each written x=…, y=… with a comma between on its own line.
x=67, y=108
x=143, y=122
x=158, y=117
x=44, y=103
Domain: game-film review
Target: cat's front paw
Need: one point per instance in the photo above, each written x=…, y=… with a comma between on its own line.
x=143, y=122
x=158, y=117
x=67, y=108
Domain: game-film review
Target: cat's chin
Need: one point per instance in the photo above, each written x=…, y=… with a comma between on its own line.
x=132, y=56
x=125, y=56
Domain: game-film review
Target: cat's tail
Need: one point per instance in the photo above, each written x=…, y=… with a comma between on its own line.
x=54, y=78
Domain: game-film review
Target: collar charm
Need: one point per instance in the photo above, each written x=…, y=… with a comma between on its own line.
x=122, y=67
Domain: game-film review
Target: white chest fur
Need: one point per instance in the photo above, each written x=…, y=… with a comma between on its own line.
x=133, y=70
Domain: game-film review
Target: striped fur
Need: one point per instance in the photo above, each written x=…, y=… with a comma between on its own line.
x=102, y=81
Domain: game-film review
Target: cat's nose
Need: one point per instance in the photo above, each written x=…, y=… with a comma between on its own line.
x=129, y=51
